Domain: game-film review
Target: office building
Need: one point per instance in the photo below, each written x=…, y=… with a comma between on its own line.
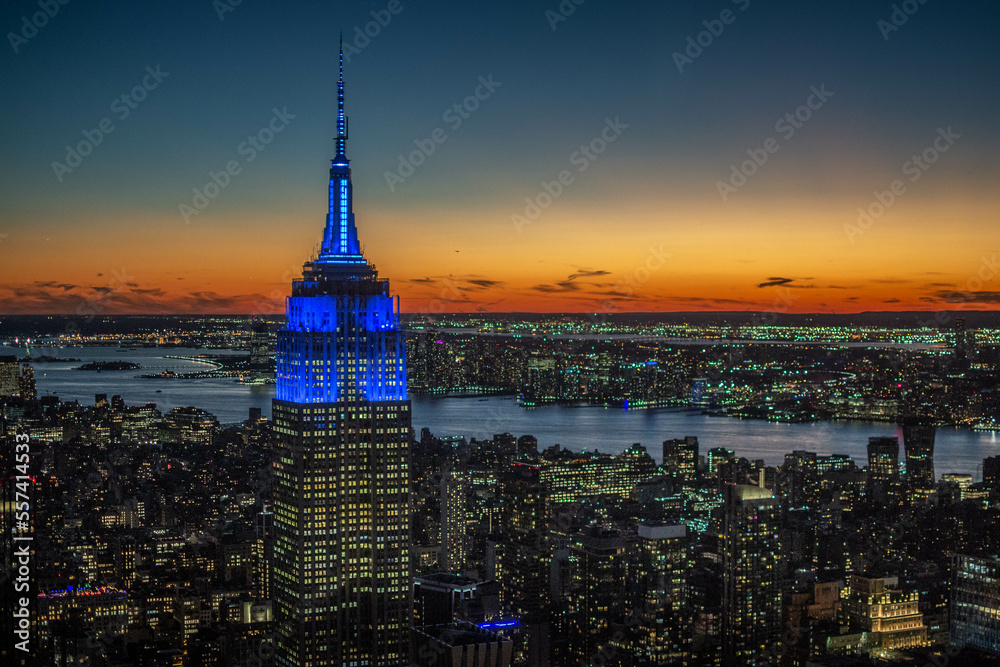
x=975, y=603
x=752, y=582
x=918, y=444
x=680, y=461
x=341, y=572
x=883, y=471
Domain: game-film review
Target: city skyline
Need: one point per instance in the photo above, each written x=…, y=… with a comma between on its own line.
x=651, y=217
x=748, y=237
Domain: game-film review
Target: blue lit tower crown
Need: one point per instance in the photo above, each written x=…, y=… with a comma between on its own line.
x=341, y=577
x=342, y=341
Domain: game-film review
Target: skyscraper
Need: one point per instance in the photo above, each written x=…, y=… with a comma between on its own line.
x=259, y=360
x=341, y=571
x=9, y=374
x=525, y=559
x=975, y=597
x=665, y=630
x=680, y=459
x=918, y=443
x=883, y=471
x=595, y=597
x=751, y=602
x=454, y=521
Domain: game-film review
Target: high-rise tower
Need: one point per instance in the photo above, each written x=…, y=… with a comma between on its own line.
x=752, y=581
x=883, y=471
x=918, y=443
x=341, y=576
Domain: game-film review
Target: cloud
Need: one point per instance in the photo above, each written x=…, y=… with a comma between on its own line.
x=425, y=281
x=712, y=300
x=891, y=301
x=774, y=281
x=967, y=297
x=485, y=307
x=482, y=282
x=51, y=283
x=570, y=284
x=616, y=294
x=559, y=287
x=771, y=282
x=586, y=273
x=84, y=302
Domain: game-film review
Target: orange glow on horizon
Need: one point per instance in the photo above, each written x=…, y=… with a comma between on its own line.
x=804, y=256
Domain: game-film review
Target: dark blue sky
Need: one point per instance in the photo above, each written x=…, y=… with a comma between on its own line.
x=607, y=59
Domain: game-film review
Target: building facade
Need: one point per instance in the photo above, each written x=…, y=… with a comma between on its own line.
x=341, y=574
x=975, y=603
x=752, y=581
x=918, y=444
x=886, y=616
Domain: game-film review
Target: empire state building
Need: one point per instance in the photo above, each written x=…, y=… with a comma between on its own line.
x=341, y=503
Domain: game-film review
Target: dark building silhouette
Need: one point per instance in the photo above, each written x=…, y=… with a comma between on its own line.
x=680, y=460
x=991, y=473
x=459, y=645
x=595, y=596
x=525, y=559
x=260, y=360
x=26, y=383
x=918, y=443
x=883, y=471
x=442, y=598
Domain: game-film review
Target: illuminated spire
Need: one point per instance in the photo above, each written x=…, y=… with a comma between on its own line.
x=341, y=117
x=341, y=248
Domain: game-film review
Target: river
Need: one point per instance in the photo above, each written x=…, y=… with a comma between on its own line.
x=583, y=428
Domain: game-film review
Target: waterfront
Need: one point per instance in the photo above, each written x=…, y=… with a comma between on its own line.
x=608, y=429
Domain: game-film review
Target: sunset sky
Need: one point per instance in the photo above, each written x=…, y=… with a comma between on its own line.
x=643, y=226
